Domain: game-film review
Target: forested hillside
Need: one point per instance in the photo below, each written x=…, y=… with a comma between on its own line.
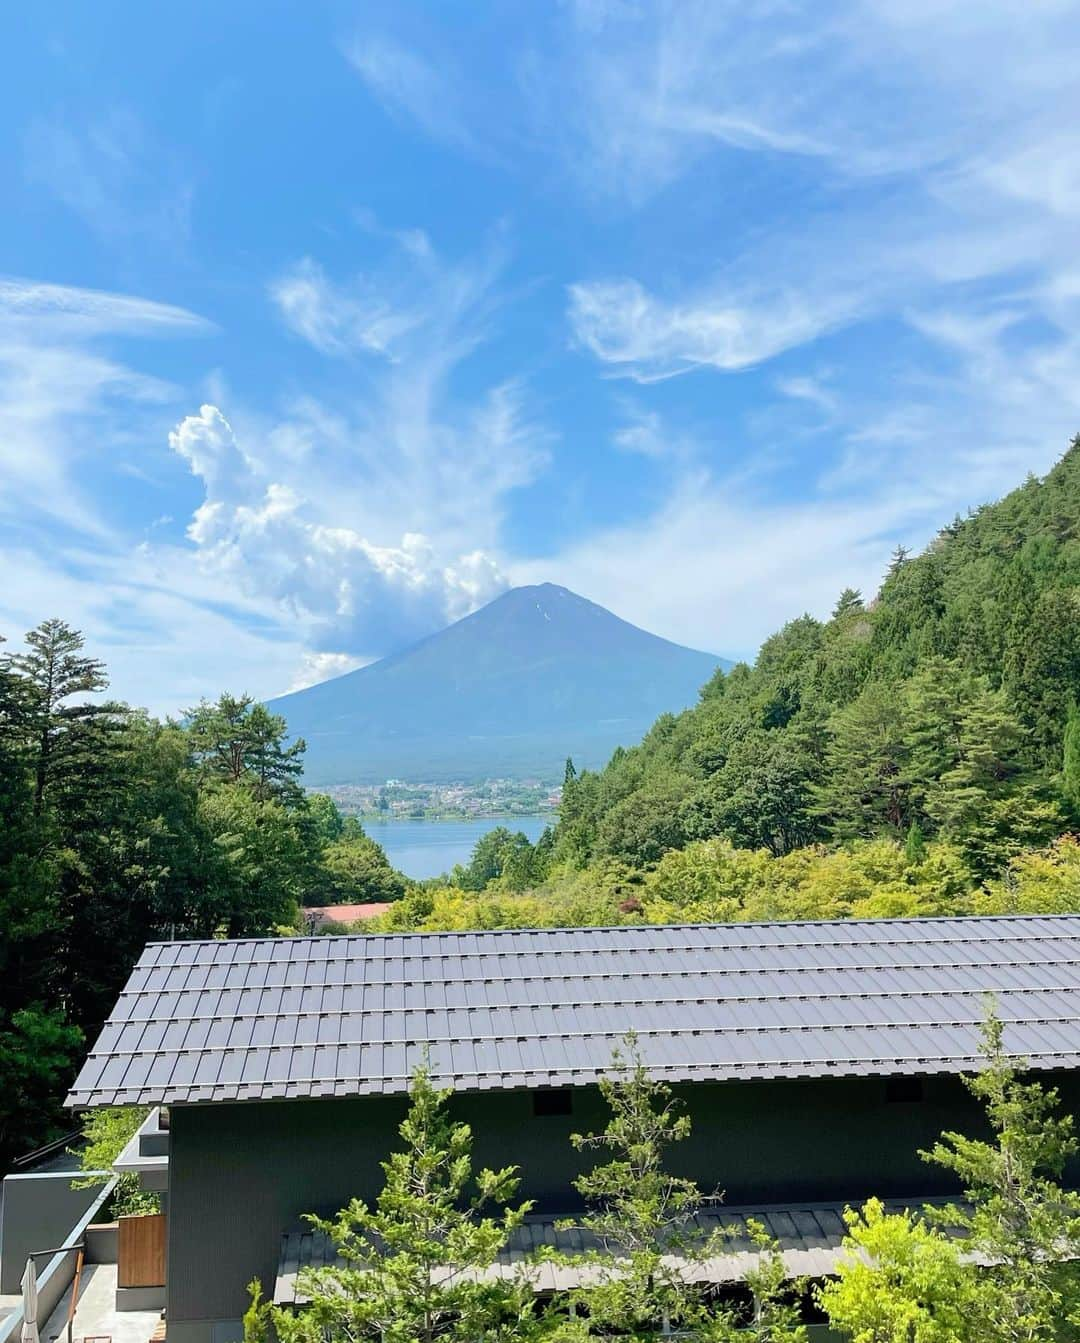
x=116, y=830
x=912, y=754
x=942, y=706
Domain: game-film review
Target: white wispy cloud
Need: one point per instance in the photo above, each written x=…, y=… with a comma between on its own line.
x=111, y=171
x=368, y=521
x=648, y=338
x=56, y=309
x=411, y=87
x=165, y=632
x=65, y=398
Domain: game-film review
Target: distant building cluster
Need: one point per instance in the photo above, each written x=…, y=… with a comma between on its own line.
x=396, y=799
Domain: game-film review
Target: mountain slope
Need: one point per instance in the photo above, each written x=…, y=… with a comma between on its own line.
x=510, y=691
x=938, y=710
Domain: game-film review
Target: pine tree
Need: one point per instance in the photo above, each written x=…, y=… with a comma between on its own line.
x=638, y=1214
x=237, y=740
x=863, y=791
x=413, y=1265
x=67, y=738
x=645, y=1222
x=914, y=845
x=850, y=600
x=898, y=559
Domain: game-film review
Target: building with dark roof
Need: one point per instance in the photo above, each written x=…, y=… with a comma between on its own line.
x=815, y=1059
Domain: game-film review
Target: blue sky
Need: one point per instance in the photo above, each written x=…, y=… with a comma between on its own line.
x=321, y=323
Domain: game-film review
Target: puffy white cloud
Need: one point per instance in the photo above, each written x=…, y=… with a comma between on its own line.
x=373, y=522
x=339, y=590
x=316, y=667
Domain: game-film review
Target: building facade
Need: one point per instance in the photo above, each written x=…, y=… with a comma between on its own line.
x=815, y=1061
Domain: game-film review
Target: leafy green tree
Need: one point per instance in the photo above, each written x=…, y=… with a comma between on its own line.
x=414, y=1264
x=325, y=817
x=355, y=869
x=644, y=825
x=264, y=862
x=37, y=1050
x=237, y=740
x=1018, y=1220
x=900, y=1281
x=106, y=1132
x=915, y=843
x=763, y=795
x=645, y=1222
x=506, y=859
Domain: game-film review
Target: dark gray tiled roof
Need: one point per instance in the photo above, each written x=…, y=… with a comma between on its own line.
x=347, y=1016
x=807, y=1235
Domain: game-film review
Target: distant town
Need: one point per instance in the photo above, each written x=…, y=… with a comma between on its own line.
x=397, y=800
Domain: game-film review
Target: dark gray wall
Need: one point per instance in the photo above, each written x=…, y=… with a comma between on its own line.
x=241, y=1173
x=37, y=1211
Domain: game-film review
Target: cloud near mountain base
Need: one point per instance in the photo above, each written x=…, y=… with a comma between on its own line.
x=352, y=598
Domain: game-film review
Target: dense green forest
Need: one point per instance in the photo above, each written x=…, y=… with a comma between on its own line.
x=116, y=829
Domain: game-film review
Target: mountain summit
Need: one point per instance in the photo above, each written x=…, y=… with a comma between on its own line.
x=509, y=691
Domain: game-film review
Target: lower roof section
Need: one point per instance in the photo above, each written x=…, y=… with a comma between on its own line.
x=291, y=1018
x=808, y=1237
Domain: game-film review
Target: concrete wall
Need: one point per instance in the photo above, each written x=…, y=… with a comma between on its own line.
x=242, y=1173
x=36, y=1212
x=55, y=1275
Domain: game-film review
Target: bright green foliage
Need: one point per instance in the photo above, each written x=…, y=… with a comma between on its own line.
x=37, y=1049
x=325, y=818
x=505, y=859
x=773, y=1314
x=107, y=1132
x=264, y=863
x=637, y=1211
x=356, y=869
x=414, y=1264
x=1046, y=881
x=1020, y=1223
x=640, y=1276
x=1070, y=773
x=900, y=1281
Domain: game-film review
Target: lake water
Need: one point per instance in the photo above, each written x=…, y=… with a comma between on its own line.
x=429, y=848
